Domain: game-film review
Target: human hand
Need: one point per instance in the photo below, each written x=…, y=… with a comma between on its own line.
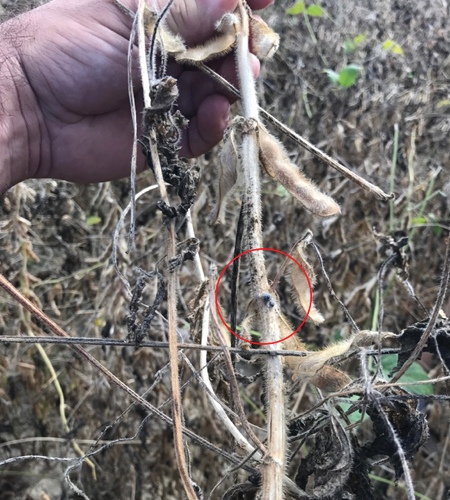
x=74, y=57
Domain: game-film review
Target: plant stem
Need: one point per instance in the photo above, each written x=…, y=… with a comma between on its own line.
x=171, y=285
x=393, y=169
x=301, y=141
x=273, y=471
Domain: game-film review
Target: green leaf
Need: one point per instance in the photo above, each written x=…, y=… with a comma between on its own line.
x=415, y=373
x=436, y=227
x=419, y=221
x=352, y=45
x=314, y=11
x=298, y=8
x=391, y=46
x=282, y=191
x=349, y=46
x=94, y=219
x=332, y=75
x=348, y=75
x=355, y=416
x=442, y=103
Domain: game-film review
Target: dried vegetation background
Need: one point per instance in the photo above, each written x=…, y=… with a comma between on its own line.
x=56, y=243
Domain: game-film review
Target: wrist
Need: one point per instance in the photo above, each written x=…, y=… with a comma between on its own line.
x=20, y=124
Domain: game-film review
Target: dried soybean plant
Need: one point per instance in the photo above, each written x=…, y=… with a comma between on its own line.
x=337, y=466
x=250, y=150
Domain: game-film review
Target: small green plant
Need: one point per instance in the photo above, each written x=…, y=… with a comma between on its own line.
x=346, y=76
x=391, y=46
x=350, y=45
x=313, y=10
x=93, y=220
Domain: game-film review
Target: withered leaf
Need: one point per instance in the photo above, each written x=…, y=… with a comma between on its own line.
x=410, y=426
x=215, y=47
x=265, y=41
x=438, y=342
x=329, y=460
x=300, y=283
x=276, y=163
x=228, y=174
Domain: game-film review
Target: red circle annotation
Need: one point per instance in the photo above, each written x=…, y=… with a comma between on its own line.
x=269, y=250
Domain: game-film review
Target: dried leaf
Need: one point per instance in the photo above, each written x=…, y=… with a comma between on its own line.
x=215, y=47
x=224, y=332
x=409, y=424
x=227, y=174
x=300, y=283
x=277, y=164
x=327, y=466
x=265, y=41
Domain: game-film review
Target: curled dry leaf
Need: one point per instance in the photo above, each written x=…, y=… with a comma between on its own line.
x=265, y=41
x=222, y=44
x=300, y=283
x=276, y=163
x=227, y=174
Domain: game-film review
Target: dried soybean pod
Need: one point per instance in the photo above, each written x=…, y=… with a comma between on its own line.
x=277, y=164
x=330, y=379
x=228, y=174
x=310, y=365
x=219, y=46
x=292, y=343
x=300, y=283
x=265, y=41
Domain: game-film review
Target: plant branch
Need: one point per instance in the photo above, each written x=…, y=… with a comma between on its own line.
x=301, y=141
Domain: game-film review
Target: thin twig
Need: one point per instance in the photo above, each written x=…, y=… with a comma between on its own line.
x=331, y=289
x=4, y=339
x=57, y=330
x=131, y=233
x=117, y=234
x=235, y=274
